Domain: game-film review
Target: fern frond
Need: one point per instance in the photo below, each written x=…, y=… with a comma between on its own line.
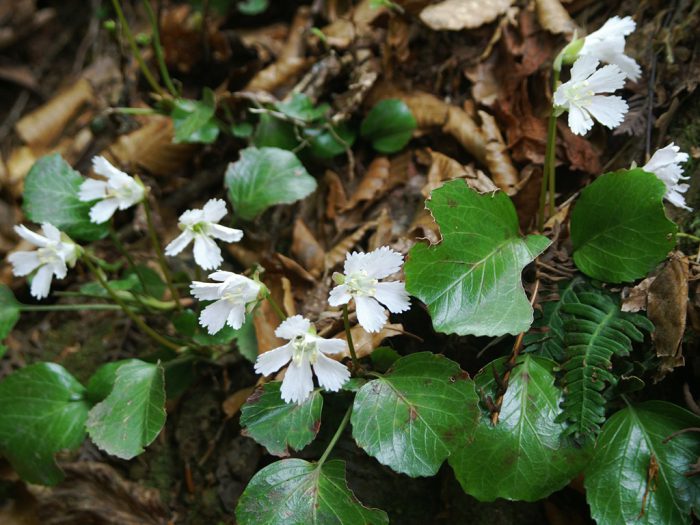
x=595, y=329
x=546, y=338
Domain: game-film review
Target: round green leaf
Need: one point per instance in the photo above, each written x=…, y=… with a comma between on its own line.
x=194, y=120
x=253, y=7
x=619, y=227
x=51, y=195
x=471, y=280
x=296, y=492
x=265, y=177
x=272, y=132
x=42, y=411
x=389, y=125
x=279, y=426
x=300, y=107
x=411, y=418
x=633, y=457
x=133, y=414
x=324, y=145
x=526, y=447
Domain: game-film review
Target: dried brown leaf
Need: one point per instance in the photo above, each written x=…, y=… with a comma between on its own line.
x=503, y=173
x=667, y=306
x=455, y=15
x=291, y=62
x=266, y=321
x=372, y=185
x=288, y=298
x=336, y=198
x=44, y=125
x=233, y=403
x=425, y=227
x=151, y=147
x=364, y=342
x=384, y=233
x=291, y=268
x=343, y=31
x=306, y=249
x=635, y=299
x=554, y=17
x=336, y=255
x=444, y=168
x=96, y=493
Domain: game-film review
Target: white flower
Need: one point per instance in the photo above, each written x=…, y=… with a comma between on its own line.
x=118, y=191
x=607, y=44
x=305, y=349
x=201, y=225
x=56, y=252
x=231, y=295
x=361, y=282
x=665, y=164
x=579, y=96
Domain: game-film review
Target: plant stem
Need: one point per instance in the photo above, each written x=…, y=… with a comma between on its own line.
x=160, y=58
x=135, y=318
x=135, y=49
x=336, y=437
x=348, y=336
x=66, y=307
x=548, y=171
x=688, y=236
x=159, y=253
x=120, y=248
x=280, y=313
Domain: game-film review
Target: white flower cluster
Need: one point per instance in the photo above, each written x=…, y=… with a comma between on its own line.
x=235, y=295
x=232, y=296
x=56, y=252
x=583, y=95
x=586, y=96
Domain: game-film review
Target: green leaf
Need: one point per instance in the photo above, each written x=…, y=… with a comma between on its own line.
x=102, y=381
x=42, y=411
x=132, y=415
x=51, y=195
x=296, y=492
x=155, y=286
x=550, y=343
x=471, y=280
x=383, y=358
x=242, y=130
x=9, y=312
x=631, y=446
x=186, y=322
x=272, y=132
x=389, y=125
x=195, y=120
x=247, y=341
x=594, y=330
x=411, y=418
x=118, y=285
x=324, y=144
x=300, y=107
x=619, y=227
x=526, y=447
x=279, y=426
x=253, y=7
x=265, y=177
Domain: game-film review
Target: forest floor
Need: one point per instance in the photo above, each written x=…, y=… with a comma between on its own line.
x=480, y=95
